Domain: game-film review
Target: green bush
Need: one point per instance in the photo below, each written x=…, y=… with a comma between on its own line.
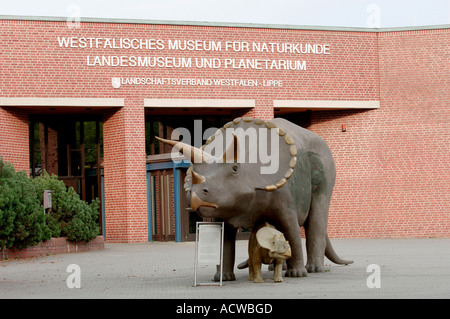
x=22, y=219
x=77, y=220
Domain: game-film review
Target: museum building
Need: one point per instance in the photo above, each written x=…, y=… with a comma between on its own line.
x=85, y=100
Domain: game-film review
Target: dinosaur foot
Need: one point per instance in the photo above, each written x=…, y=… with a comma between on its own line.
x=225, y=276
x=296, y=272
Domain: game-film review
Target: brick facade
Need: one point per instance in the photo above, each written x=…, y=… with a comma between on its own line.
x=14, y=146
x=58, y=245
x=392, y=162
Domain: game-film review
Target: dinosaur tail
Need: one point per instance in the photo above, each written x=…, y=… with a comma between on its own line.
x=331, y=255
x=243, y=265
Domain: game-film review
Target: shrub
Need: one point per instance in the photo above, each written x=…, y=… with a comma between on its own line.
x=77, y=220
x=22, y=218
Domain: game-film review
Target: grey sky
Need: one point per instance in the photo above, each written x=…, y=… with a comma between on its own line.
x=349, y=13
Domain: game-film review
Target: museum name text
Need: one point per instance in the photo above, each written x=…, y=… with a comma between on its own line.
x=163, y=60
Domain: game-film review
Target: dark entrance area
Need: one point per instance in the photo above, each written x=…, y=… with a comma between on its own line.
x=71, y=147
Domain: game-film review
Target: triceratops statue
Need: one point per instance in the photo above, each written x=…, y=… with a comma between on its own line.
x=233, y=178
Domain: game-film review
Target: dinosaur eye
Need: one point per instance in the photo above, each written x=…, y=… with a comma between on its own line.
x=235, y=168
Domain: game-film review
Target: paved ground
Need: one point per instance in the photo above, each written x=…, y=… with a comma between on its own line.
x=408, y=268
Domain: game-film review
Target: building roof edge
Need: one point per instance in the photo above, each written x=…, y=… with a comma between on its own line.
x=224, y=24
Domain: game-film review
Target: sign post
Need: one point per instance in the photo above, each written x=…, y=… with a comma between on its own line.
x=209, y=248
x=47, y=200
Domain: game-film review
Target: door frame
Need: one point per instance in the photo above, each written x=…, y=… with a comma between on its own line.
x=164, y=162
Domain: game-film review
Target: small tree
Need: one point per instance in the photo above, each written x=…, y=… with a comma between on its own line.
x=22, y=219
x=77, y=220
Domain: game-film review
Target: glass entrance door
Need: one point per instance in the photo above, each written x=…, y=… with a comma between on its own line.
x=70, y=147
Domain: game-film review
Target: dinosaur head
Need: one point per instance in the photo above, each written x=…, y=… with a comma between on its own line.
x=242, y=158
x=273, y=240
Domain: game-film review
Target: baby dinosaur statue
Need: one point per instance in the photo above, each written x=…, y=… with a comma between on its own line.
x=266, y=245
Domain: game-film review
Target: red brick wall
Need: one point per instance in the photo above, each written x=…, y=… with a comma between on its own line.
x=136, y=185
x=125, y=179
x=58, y=245
x=115, y=176
x=14, y=138
x=34, y=63
x=392, y=162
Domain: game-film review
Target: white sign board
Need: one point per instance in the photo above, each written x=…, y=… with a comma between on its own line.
x=209, y=246
x=209, y=240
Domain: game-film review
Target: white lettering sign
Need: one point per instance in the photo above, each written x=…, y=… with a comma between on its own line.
x=209, y=239
x=157, y=53
x=194, y=45
x=119, y=82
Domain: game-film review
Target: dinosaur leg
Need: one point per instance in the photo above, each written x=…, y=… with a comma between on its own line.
x=316, y=234
x=229, y=249
x=291, y=230
x=251, y=270
x=256, y=264
x=251, y=248
x=278, y=270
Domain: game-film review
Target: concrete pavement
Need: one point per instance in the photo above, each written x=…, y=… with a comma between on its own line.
x=404, y=268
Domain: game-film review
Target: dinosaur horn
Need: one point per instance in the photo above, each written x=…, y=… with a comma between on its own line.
x=197, y=178
x=196, y=155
